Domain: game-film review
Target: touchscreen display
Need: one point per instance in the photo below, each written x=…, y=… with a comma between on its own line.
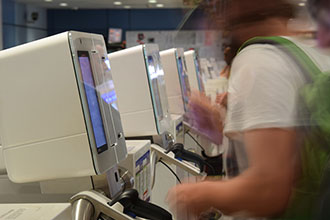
x=153, y=73
x=92, y=100
x=184, y=82
x=199, y=76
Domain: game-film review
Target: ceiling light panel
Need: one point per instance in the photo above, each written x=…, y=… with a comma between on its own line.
x=106, y=4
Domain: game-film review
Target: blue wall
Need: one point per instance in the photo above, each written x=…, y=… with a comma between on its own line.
x=98, y=21
x=18, y=27
x=17, y=30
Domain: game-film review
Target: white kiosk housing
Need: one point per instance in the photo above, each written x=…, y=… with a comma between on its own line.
x=193, y=71
x=176, y=79
x=142, y=101
x=58, y=110
x=139, y=79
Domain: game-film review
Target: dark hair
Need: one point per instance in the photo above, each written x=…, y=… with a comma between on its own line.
x=228, y=13
x=249, y=11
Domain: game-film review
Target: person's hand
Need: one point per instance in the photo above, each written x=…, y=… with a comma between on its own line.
x=205, y=117
x=184, y=201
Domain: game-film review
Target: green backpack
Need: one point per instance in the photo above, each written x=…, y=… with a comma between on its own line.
x=306, y=196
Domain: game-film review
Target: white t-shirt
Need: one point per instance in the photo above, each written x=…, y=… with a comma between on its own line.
x=264, y=93
x=264, y=90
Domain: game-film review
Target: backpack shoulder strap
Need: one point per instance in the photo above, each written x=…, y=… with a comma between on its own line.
x=307, y=65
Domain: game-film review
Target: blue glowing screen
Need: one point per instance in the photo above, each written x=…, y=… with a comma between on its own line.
x=93, y=104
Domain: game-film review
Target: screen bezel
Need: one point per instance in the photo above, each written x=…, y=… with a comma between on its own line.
x=180, y=63
x=117, y=150
x=103, y=147
x=163, y=124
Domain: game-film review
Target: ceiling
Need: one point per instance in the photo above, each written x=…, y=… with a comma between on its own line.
x=98, y=4
x=124, y=4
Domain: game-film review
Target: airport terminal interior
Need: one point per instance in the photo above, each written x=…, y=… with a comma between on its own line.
x=153, y=109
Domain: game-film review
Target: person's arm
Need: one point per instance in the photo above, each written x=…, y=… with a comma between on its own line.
x=263, y=189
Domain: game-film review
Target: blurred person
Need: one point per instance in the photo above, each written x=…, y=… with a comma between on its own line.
x=320, y=11
x=229, y=54
x=263, y=115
